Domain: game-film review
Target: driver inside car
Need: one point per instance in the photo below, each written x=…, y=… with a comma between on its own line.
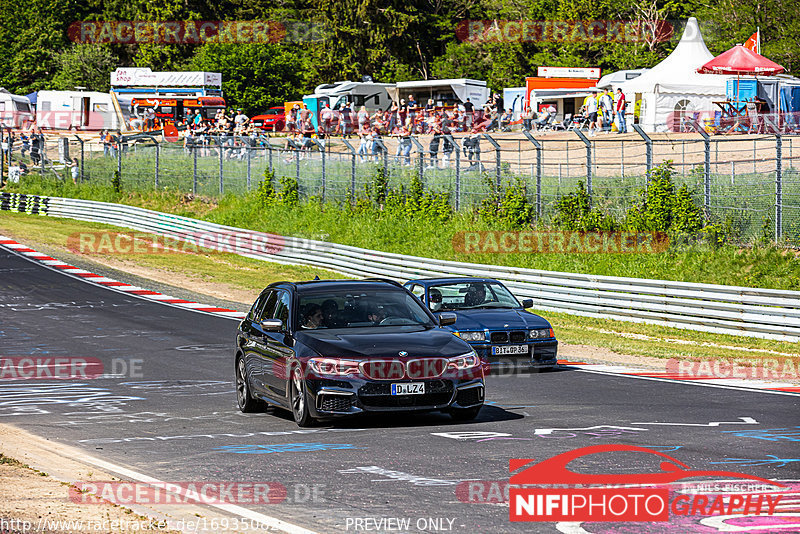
x=435, y=299
x=376, y=314
x=476, y=294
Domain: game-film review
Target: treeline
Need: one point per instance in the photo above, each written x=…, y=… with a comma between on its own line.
x=313, y=41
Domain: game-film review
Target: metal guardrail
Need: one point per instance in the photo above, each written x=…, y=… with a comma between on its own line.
x=763, y=313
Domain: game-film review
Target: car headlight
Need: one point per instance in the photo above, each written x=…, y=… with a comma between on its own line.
x=471, y=336
x=541, y=333
x=465, y=361
x=333, y=366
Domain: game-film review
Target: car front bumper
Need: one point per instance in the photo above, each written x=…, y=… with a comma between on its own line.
x=332, y=397
x=541, y=355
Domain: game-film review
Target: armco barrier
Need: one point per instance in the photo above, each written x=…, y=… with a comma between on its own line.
x=764, y=313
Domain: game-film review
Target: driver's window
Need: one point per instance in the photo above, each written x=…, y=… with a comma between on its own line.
x=418, y=291
x=263, y=310
x=282, y=308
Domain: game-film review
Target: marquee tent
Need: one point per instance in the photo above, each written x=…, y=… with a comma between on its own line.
x=674, y=88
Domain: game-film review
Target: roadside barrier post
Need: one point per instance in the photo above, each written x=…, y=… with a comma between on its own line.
x=538, y=146
x=588, y=164
x=194, y=170
x=496, y=158
x=353, y=155
x=158, y=157
x=80, y=178
x=648, y=144
x=706, y=168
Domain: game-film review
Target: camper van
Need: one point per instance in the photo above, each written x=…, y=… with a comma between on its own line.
x=15, y=110
x=373, y=96
x=75, y=110
x=445, y=93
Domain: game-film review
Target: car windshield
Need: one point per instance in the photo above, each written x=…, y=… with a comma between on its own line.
x=354, y=309
x=471, y=295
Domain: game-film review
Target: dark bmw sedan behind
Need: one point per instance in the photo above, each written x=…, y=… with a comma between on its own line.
x=332, y=348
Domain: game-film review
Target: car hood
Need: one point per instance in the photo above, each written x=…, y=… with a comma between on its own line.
x=497, y=319
x=384, y=341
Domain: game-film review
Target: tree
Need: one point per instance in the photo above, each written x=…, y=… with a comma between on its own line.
x=87, y=65
x=255, y=76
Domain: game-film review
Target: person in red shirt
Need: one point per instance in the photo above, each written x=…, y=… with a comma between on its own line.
x=621, y=103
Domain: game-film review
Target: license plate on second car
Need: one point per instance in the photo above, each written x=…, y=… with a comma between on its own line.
x=409, y=388
x=510, y=349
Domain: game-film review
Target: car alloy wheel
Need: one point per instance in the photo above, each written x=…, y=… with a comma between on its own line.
x=246, y=402
x=299, y=399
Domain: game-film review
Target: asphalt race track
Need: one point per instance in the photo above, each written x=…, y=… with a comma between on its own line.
x=175, y=418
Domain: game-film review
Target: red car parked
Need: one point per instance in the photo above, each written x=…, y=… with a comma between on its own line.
x=274, y=120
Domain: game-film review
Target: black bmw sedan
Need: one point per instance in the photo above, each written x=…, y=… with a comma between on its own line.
x=328, y=348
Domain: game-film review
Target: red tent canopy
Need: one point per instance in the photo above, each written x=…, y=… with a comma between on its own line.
x=741, y=61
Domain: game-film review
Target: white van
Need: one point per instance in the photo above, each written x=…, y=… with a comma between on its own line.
x=15, y=110
x=75, y=110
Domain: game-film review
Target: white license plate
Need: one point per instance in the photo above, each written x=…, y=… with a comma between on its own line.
x=510, y=349
x=409, y=388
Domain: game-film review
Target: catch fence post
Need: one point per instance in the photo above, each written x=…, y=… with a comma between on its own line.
x=221, y=175
x=158, y=156
x=421, y=152
x=648, y=143
x=588, y=164
x=706, y=168
x=321, y=146
x=778, y=187
x=353, y=155
x=249, y=150
x=457, y=151
x=496, y=158
x=194, y=170
x=81, y=142
x=538, y=146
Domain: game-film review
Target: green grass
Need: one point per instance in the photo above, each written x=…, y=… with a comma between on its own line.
x=216, y=268
x=756, y=266
x=252, y=275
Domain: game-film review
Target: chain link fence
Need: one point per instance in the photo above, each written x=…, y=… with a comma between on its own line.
x=751, y=183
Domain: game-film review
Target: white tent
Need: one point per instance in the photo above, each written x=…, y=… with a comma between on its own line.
x=674, y=88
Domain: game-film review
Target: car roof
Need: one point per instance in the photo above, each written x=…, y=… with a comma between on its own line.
x=313, y=286
x=453, y=280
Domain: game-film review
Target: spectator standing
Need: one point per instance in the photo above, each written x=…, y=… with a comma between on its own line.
x=402, y=113
x=527, y=118
x=621, y=104
x=150, y=119
x=433, y=148
x=469, y=113
x=241, y=119
x=607, y=107
x=76, y=170
x=325, y=117
x=591, y=113
x=412, y=112
x=404, y=145
x=363, y=119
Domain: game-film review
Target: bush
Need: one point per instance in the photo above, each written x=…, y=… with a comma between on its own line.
x=510, y=207
x=574, y=212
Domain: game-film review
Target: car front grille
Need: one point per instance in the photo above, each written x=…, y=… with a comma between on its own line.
x=335, y=403
x=517, y=336
x=499, y=337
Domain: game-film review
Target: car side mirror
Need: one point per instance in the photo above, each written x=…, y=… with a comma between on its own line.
x=446, y=319
x=272, y=325
x=527, y=303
